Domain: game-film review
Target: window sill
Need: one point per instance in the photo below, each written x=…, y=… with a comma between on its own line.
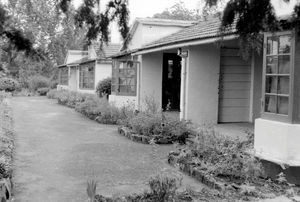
x=276, y=117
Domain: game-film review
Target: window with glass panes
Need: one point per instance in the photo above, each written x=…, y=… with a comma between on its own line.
x=87, y=76
x=277, y=74
x=124, y=77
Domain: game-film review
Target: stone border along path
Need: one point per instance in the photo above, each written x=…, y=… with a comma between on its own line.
x=58, y=150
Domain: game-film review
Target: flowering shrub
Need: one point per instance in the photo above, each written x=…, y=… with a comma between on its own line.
x=71, y=98
x=9, y=84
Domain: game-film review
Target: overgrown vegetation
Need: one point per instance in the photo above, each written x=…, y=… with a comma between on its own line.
x=7, y=145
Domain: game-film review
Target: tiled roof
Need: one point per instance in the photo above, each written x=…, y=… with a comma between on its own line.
x=107, y=50
x=84, y=59
x=165, y=22
x=202, y=30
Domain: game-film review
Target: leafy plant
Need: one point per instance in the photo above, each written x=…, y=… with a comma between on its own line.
x=104, y=87
x=9, y=84
x=222, y=156
x=91, y=190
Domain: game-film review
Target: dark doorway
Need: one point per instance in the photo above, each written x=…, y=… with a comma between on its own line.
x=171, y=82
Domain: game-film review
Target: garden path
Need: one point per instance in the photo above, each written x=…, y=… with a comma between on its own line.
x=58, y=150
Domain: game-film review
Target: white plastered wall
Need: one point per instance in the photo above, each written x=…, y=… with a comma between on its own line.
x=203, y=66
x=277, y=141
x=73, y=79
x=151, y=78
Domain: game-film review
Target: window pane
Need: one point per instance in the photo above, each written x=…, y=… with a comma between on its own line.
x=284, y=64
x=283, y=105
x=272, y=63
x=130, y=73
x=270, y=103
x=131, y=89
x=272, y=45
x=283, y=85
x=123, y=89
x=284, y=44
x=114, y=88
x=122, y=81
x=271, y=84
x=130, y=81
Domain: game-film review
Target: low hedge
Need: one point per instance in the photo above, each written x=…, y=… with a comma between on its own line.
x=95, y=108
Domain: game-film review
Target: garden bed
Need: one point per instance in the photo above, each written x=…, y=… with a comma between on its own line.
x=228, y=166
x=151, y=124
x=7, y=147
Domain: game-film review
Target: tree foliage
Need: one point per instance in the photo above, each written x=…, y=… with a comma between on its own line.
x=98, y=22
x=178, y=12
x=252, y=18
x=14, y=36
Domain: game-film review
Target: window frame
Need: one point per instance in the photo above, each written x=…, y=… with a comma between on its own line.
x=64, y=76
x=116, y=77
x=81, y=77
x=275, y=116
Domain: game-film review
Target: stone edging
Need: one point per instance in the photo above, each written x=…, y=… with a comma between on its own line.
x=125, y=131
x=134, y=137
x=196, y=173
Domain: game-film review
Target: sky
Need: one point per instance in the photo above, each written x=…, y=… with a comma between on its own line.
x=147, y=8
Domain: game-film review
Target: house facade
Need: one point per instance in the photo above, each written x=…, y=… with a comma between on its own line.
x=84, y=69
x=204, y=79
x=126, y=66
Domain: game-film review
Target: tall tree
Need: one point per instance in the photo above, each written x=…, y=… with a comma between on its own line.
x=251, y=18
x=98, y=22
x=178, y=12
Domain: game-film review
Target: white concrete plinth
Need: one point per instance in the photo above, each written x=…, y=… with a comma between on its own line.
x=121, y=101
x=277, y=142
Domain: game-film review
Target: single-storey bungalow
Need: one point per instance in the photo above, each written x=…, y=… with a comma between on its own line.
x=84, y=69
x=204, y=79
x=142, y=32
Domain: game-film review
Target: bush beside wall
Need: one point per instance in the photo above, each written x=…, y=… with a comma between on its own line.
x=104, y=87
